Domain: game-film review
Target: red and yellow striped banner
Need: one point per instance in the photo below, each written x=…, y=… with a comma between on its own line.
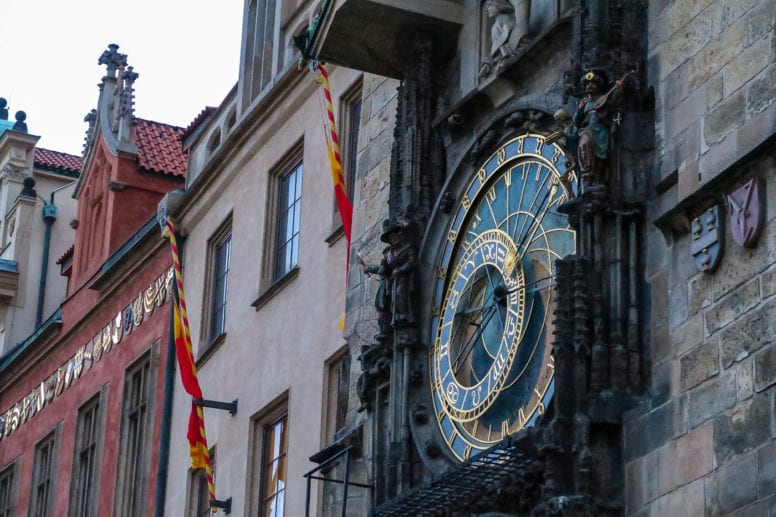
x=200, y=455
x=335, y=158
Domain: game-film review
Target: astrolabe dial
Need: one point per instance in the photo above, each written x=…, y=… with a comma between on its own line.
x=491, y=367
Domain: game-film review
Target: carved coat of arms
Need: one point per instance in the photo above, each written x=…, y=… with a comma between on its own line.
x=747, y=213
x=708, y=238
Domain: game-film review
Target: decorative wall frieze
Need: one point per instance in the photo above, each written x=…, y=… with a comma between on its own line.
x=139, y=310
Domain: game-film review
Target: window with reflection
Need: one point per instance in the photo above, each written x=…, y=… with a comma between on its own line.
x=85, y=481
x=42, y=493
x=273, y=470
x=7, y=478
x=289, y=203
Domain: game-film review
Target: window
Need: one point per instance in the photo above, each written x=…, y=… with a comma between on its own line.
x=273, y=469
x=7, y=490
x=269, y=447
x=260, y=43
x=135, y=439
x=220, y=256
x=199, y=499
x=337, y=394
x=289, y=203
x=84, y=487
x=351, y=121
x=42, y=494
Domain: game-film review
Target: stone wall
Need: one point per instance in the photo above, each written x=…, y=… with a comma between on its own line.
x=703, y=443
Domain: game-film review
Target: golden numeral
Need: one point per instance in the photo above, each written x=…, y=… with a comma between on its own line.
x=442, y=272
x=452, y=236
x=505, y=427
x=521, y=417
x=492, y=193
x=466, y=202
x=539, y=146
x=551, y=363
x=502, y=155
x=520, y=146
x=508, y=178
x=482, y=175
x=467, y=452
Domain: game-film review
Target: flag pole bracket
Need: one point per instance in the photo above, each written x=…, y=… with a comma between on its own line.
x=215, y=404
x=225, y=505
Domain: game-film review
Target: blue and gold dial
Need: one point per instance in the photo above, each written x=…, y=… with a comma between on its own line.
x=491, y=366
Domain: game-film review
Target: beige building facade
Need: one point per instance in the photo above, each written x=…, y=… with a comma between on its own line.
x=264, y=259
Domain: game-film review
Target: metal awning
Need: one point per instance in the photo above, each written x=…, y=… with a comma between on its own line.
x=458, y=485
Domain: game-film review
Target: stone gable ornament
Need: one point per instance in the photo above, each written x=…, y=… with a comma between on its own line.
x=747, y=213
x=708, y=239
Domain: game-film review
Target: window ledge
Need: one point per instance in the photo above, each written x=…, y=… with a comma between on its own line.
x=210, y=350
x=275, y=288
x=336, y=234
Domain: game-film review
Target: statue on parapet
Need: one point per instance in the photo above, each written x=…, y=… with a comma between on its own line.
x=509, y=27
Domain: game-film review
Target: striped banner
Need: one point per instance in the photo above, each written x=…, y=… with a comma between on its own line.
x=200, y=455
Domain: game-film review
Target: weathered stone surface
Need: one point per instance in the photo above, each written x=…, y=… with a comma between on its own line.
x=761, y=93
x=685, y=459
x=759, y=22
x=744, y=379
x=746, y=65
x=699, y=364
x=677, y=305
x=660, y=341
x=692, y=143
x=659, y=303
x=711, y=398
x=765, y=367
x=715, y=55
x=688, y=501
x=735, y=9
x=740, y=265
x=731, y=487
x=727, y=116
x=732, y=306
x=743, y=430
x=700, y=292
x=688, y=335
x=748, y=333
x=682, y=115
x=769, y=283
x=766, y=469
x=686, y=42
x=677, y=86
x=758, y=509
x=714, y=91
x=650, y=431
x=663, y=383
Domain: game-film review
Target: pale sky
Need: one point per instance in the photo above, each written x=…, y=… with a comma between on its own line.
x=186, y=52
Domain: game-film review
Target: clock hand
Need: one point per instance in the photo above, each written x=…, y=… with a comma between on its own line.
x=468, y=347
x=537, y=221
x=534, y=283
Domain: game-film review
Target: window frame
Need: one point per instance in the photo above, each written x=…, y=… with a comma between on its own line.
x=76, y=506
x=349, y=138
x=220, y=237
x=273, y=413
x=335, y=407
x=51, y=440
x=123, y=499
x=270, y=282
x=10, y=470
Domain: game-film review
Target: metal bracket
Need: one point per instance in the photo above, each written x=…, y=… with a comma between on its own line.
x=226, y=406
x=225, y=505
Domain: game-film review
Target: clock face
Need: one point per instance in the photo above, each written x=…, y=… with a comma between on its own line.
x=491, y=365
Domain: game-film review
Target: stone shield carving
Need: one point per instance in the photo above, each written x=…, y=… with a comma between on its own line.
x=747, y=213
x=708, y=238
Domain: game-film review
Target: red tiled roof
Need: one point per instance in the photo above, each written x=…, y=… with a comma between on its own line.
x=57, y=160
x=66, y=255
x=198, y=120
x=160, y=148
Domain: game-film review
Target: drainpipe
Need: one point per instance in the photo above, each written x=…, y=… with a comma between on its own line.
x=49, y=216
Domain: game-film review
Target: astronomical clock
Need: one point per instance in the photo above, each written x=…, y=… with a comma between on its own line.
x=490, y=366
